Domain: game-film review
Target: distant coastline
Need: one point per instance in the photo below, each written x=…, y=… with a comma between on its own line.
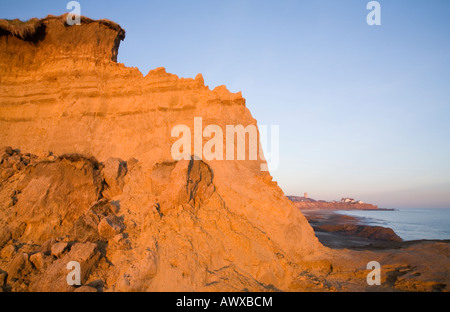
x=306, y=203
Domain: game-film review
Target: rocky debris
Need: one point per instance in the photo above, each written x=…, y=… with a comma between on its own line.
x=49, y=193
x=6, y=152
x=54, y=278
x=19, y=267
x=187, y=203
x=5, y=236
x=8, y=251
x=46, y=247
x=18, y=229
x=97, y=284
x=50, y=196
x=114, y=172
x=366, y=231
x=83, y=252
x=117, y=238
x=38, y=260
x=109, y=227
x=140, y=274
x=100, y=222
x=12, y=161
x=58, y=249
x=85, y=289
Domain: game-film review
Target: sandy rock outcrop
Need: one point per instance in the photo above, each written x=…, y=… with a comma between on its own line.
x=104, y=173
x=371, y=232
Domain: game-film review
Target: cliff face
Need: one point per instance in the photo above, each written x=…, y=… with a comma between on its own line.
x=91, y=178
x=183, y=225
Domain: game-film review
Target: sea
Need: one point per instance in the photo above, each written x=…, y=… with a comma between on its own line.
x=408, y=223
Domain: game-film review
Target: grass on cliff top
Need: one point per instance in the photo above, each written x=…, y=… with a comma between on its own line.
x=23, y=30
x=18, y=22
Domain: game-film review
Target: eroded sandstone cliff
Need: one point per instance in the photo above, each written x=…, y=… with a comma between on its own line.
x=185, y=225
x=91, y=178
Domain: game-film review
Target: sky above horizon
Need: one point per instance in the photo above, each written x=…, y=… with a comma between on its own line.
x=364, y=111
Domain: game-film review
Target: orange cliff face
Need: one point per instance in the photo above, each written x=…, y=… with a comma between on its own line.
x=111, y=197
x=67, y=77
x=142, y=220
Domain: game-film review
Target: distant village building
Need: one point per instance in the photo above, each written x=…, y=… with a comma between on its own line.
x=349, y=200
x=344, y=200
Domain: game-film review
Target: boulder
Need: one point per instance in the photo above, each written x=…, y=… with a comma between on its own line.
x=54, y=278
x=38, y=260
x=8, y=251
x=113, y=173
x=110, y=226
x=5, y=236
x=6, y=152
x=19, y=266
x=58, y=249
x=51, y=196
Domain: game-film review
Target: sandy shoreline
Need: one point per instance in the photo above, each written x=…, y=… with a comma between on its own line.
x=339, y=231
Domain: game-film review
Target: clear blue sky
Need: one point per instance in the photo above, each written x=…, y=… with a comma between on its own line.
x=363, y=111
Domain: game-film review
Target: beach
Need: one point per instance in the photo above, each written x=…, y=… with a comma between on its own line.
x=340, y=231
